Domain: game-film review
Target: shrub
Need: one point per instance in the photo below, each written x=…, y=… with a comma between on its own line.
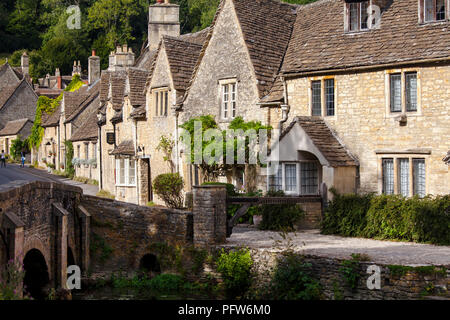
x=11, y=279
x=390, y=217
x=231, y=190
x=292, y=279
x=169, y=188
x=280, y=217
x=235, y=268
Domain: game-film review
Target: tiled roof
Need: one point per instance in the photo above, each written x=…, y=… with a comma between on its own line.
x=267, y=27
x=197, y=37
x=138, y=113
x=50, y=93
x=92, y=94
x=104, y=87
x=88, y=129
x=320, y=43
x=276, y=93
x=51, y=120
x=182, y=56
x=117, y=117
x=73, y=101
x=7, y=92
x=13, y=127
x=325, y=140
x=125, y=148
x=447, y=158
x=137, y=79
x=117, y=89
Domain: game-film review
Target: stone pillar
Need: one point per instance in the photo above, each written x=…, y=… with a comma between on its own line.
x=164, y=19
x=16, y=235
x=61, y=216
x=85, y=225
x=210, y=215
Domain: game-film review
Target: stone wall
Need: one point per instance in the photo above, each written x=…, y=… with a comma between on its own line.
x=404, y=284
x=122, y=233
x=364, y=123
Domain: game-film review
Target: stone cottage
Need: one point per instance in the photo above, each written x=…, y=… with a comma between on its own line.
x=13, y=130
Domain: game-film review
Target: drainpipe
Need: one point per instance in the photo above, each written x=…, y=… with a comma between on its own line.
x=59, y=148
x=177, y=160
x=285, y=108
x=137, y=161
x=100, y=156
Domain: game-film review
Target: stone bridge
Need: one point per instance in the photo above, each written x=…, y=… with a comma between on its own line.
x=43, y=226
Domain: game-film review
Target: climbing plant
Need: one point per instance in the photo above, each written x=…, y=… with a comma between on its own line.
x=69, y=169
x=166, y=145
x=48, y=105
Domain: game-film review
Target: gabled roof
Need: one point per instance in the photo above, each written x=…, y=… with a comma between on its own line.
x=320, y=43
x=7, y=93
x=13, y=127
x=73, y=101
x=117, y=83
x=88, y=129
x=137, y=79
x=51, y=120
x=324, y=139
x=104, y=85
x=91, y=94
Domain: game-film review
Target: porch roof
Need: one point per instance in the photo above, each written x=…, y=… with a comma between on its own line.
x=125, y=148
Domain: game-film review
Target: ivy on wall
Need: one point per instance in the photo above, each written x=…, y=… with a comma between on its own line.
x=48, y=105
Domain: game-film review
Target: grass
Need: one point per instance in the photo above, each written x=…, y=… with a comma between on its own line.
x=86, y=180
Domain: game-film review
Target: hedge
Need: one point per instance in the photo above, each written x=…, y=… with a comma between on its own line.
x=393, y=217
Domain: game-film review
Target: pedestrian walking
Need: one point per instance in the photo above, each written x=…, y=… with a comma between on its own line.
x=23, y=160
x=2, y=159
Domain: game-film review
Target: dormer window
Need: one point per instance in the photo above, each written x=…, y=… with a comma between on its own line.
x=432, y=10
x=357, y=15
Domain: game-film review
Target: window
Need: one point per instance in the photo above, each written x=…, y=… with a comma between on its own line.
x=161, y=103
x=396, y=92
x=78, y=151
x=419, y=177
x=403, y=177
x=126, y=172
x=329, y=96
x=357, y=16
x=433, y=10
x=388, y=176
x=403, y=98
x=290, y=177
x=411, y=91
x=229, y=100
x=309, y=178
x=275, y=181
x=316, y=87
x=86, y=151
x=94, y=150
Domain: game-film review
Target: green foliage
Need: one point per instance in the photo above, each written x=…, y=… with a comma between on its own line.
x=169, y=188
x=350, y=272
x=105, y=194
x=69, y=169
x=400, y=271
x=390, y=217
x=166, y=145
x=235, y=268
x=293, y=280
x=17, y=147
x=280, y=217
x=99, y=247
x=11, y=279
x=47, y=105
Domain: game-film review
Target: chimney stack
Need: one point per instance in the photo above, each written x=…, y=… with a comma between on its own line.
x=164, y=19
x=93, y=68
x=122, y=58
x=58, y=78
x=25, y=63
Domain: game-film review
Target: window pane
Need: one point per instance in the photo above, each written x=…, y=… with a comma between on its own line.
x=388, y=176
x=132, y=172
x=291, y=177
x=403, y=177
x=429, y=10
x=353, y=20
x=316, y=98
x=225, y=100
x=166, y=102
x=156, y=103
x=86, y=151
x=440, y=9
x=396, y=93
x=275, y=182
x=411, y=91
x=233, y=100
x=309, y=178
x=329, y=91
x=161, y=103
x=364, y=15
x=122, y=171
x=419, y=177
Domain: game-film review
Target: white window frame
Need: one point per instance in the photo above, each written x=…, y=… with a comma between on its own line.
x=126, y=172
x=347, y=22
x=298, y=177
x=422, y=12
x=228, y=112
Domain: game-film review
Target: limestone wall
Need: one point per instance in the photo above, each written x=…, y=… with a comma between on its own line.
x=364, y=123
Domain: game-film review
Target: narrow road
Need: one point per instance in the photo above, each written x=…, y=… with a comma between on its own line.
x=14, y=172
